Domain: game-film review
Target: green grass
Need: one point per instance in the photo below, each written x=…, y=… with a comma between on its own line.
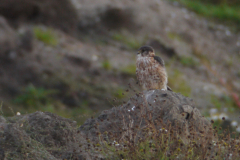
x=173, y=36
x=177, y=83
x=222, y=2
x=221, y=11
x=106, y=65
x=45, y=35
x=224, y=101
x=35, y=97
x=130, y=42
x=188, y=61
x=129, y=70
x=119, y=93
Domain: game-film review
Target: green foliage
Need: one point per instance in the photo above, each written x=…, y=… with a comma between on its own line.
x=130, y=42
x=221, y=9
x=106, y=64
x=218, y=124
x=119, y=93
x=222, y=2
x=224, y=101
x=45, y=35
x=229, y=63
x=35, y=97
x=129, y=70
x=177, y=83
x=215, y=101
x=188, y=61
x=173, y=36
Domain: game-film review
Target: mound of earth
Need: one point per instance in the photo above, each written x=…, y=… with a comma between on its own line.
x=161, y=108
x=48, y=136
x=40, y=136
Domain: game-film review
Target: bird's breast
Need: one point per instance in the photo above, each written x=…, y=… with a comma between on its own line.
x=144, y=63
x=150, y=74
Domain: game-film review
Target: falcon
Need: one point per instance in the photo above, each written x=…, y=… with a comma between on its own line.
x=150, y=70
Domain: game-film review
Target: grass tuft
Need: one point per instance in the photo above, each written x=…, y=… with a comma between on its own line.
x=220, y=10
x=130, y=42
x=35, y=97
x=129, y=70
x=178, y=84
x=188, y=61
x=224, y=101
x=45, y=35
x=106, y=65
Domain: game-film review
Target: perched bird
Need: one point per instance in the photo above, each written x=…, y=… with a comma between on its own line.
x=150, y=70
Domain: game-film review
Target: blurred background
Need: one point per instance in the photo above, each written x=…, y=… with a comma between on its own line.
x=76, y=58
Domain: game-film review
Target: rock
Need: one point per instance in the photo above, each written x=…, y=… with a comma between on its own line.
x=26, y=37
x=2, y=155
x=8, y=40
x=118, y=18
x=2, y=119
x=102, y=19
x=78, y=61
x=161, y=108
x=13, y=44
x=60, y=14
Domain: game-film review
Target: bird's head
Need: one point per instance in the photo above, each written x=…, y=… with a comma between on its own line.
x=146, y=51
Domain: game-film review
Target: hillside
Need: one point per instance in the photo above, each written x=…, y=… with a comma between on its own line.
x=78, y=58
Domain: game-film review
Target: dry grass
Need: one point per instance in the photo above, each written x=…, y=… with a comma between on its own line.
x=169, y=141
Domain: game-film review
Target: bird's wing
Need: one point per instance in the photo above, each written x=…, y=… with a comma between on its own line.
x=159, y=60
x=168, y=88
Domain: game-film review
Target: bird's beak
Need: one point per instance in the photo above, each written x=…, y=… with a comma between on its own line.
x=138, y=52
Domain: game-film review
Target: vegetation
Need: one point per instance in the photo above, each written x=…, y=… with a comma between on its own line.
x=119, y=93
x=188, y=61
x=224, y=101
x=45, y=35
x=167, y=142
x=173, y=36
x=153, y=143
x=130, y=42
x=35, y=97
x=220, y=9
x=129, y=70
x=106, y=64
x=159, y=145
x=177, y=82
